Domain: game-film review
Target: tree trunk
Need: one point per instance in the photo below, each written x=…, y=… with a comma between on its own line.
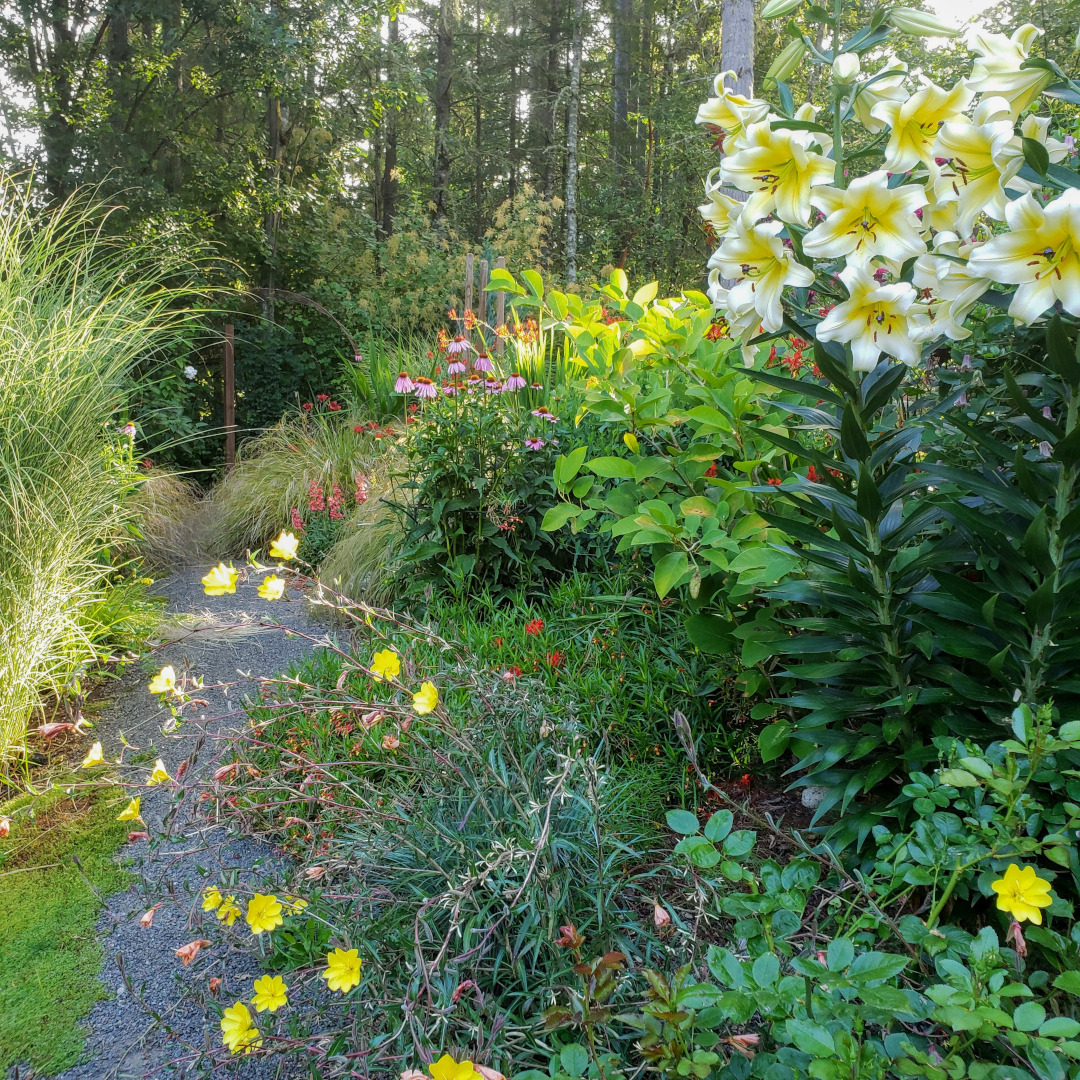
x=389, y=176
x=478, y=143
x=444, y=54
x=172, y=27
x=737, y=43
x=572, y=145
x=620, y=86
x=550, y=94
x=513, y=132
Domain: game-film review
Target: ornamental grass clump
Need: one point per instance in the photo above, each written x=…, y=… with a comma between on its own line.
x=77, y=310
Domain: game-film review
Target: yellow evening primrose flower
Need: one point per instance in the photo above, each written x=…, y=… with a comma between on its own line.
x=228, y=912
x=220, y=580
x=272, y=588
x=1040, y=254
x=342, y=970
x=284, y=547
x=869, y=219
x=270, y=993
x=130, y=812
x=212, y=898
x=755, y=256
x=160, y=775
x=873, y=319
x=263, y=913
x=886, y=84
x=425, y=699
x=997, y=71
x=915, y=123
x=779, y=169
x=294, y=905
x=164, y=681
x=93, y=757
x=1022, y=893
x=237, y=1031
x=983, y=157
x=446, y=1068
x=730, y=112
x=385, y=664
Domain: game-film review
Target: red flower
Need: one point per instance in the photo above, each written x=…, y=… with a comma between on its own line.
x=534, y=626
x=514, y=670
x=774, y=480
x=322, y=397
x=498, y=642
x=812, y=475
x=358, y=429
x=307, y=406
x=334, y=406
x=556, y=658
x=711, y=470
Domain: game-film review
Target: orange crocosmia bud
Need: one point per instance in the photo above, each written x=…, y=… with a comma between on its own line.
x=186, y=953
x=50, y=731
x=133, y=836
x=181, y=769
x=215, y=985
x=225, y=772
x=148, y=917
x=661, y=916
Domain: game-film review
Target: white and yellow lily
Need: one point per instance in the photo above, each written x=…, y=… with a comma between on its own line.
x=997, y=72
x=730, y=112
x=1037, y=128
x=948, y=290
x=721, y=211
x=873, y=320
x=1040, y=254
x=867, y=220
x=755, y=258
x=779, y=169
x=886, y=84
x=982, y=158
x=914, y=123
x=744, y=323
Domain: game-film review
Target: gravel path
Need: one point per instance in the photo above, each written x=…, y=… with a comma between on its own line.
x=158, y=1030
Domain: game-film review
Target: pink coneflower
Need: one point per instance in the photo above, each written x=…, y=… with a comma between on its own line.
x=458, y=345
x=492, y=385
x=404, y=384
x=456, y=367
x=545, y=414
x=424, y=388
x=483, y=363
x=515, y=382
x=450, y=389
x=534, y=444
x=127, y=429
x=536, y=386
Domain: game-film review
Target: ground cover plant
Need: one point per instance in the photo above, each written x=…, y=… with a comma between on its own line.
x=50, y=955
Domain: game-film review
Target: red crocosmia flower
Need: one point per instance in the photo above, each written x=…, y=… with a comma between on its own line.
x=813, y=475
x=514, y=670
x=774, y=480
x=358, y=429
x=498, y=642
x=307, y=406
x=320, y=398
x=334, y=406
x=711, y=470
x=556, y=658
x=534, y=626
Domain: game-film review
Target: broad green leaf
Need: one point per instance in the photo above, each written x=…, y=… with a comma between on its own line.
x=558, y=515
x=609, y=467
x=574, y=1058
x=668, y=571
x=682, y=821
x=719, y=825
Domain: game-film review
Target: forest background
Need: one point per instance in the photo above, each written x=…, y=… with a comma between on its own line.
x=351, y=154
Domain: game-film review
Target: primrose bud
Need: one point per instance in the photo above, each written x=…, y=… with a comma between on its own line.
x=846, y=68
x=788, y=60
x=774, y=9
x=919, y=23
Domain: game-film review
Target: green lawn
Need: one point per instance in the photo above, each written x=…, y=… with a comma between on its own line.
x=50, y=955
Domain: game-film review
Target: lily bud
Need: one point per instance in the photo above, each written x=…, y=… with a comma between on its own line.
x=919, y=23
x=846, y=68
x=775, y=9
x=788, y=60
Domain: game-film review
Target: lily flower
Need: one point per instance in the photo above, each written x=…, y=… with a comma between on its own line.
x=873, y=320
x=721, y=211
x=868, y=219
x=950, y=289
x=915, y=123
x=1040, y=254
x=730, y=112
x=886, y=84
x=779, y=169
x=757, y=257
x=998, y=71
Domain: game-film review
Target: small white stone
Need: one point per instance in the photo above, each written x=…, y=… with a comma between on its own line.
x=812, y=796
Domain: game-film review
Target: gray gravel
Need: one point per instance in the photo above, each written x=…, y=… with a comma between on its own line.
x=159, y=1030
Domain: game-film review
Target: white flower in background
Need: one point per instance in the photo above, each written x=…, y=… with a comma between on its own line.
x=730, y=112
x=983, y=157
x=998, y=72
x=755, y=257
x=846, y=68
x=778, y=169
x=868, y=219
x=948, y=290
x=1037, y=128
x=190, y=372
x=721, y=211
x=914, y=123
x=873, y=320
x=886, y=84
x=1040, y=254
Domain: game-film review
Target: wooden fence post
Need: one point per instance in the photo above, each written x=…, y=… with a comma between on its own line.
x=481, y=314
x=500, y=306
x=468, y=287
x=230, y=399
